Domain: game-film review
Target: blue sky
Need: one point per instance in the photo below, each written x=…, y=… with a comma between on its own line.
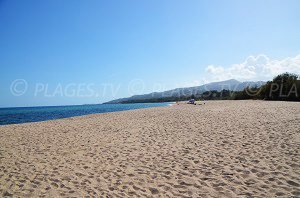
x=122, y=46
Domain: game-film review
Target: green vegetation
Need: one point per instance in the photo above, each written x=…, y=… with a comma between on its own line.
x=285, y=86
x=208, y=95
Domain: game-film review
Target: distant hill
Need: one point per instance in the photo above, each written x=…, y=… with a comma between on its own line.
x=232, y=85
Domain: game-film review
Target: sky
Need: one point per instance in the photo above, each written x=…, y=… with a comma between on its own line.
x=69, y=52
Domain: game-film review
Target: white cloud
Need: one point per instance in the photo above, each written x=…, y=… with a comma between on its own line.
x=259, y=67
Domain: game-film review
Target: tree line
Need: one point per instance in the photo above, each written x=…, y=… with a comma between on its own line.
x=285, y=86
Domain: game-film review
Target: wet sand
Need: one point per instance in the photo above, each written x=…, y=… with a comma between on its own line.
x=220, y=149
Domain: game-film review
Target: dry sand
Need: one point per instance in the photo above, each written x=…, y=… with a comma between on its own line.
x=220, y=149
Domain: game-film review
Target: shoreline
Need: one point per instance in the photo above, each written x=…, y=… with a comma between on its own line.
x=79, y=116
x=37, y=114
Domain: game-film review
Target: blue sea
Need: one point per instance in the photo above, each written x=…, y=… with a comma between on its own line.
x=34, y=114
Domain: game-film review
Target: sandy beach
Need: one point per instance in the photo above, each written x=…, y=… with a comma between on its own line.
x=220, y=149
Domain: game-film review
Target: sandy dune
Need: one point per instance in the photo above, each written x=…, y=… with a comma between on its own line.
x=220, y=149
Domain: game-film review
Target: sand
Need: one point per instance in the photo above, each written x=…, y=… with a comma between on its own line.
x=220, y=149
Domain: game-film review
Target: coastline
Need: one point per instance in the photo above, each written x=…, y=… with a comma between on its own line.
x=223, y=148
x=21, y=115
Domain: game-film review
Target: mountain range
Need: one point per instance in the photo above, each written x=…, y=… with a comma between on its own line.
x=232, y=85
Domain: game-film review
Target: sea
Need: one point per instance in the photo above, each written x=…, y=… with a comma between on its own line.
x=19, y=115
